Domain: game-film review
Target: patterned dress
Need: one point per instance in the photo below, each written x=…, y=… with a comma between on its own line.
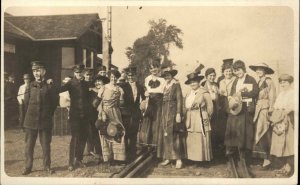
x=110, y=105
x=171, y=144
x=199, y=108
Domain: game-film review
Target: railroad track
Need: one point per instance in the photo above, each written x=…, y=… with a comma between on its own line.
x=138, y=167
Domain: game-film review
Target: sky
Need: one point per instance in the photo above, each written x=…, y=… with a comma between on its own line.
x=210, y=34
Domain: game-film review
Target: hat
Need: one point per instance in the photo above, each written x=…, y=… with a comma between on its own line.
x=104, y=79
x=286, y=77
x=88, y=70
x=235, y=104
x=115, y=72
x=78, y=68
x=264, y=66
x=26, y=76
x=210, y=71
x=227, y=63
x=130, y=71
x=101, y=68
x=37, y=65
x=169, y=70
x=110, y=130
x=154, y=63
x=193, y=76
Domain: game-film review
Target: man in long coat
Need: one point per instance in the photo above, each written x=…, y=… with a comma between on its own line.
x=40, y=102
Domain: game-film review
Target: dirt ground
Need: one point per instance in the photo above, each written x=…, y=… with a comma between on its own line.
x=14, y=163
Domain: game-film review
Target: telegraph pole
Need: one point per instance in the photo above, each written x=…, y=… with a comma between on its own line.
x=106, y=40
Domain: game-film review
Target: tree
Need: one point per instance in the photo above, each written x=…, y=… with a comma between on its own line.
x=154, y=45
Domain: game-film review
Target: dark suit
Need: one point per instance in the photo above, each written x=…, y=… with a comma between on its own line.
x=10, y=104
x=80, y=115
x=40, y=103
x=131, y=115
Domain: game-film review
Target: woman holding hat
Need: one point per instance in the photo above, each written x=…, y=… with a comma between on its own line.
x=224, y=90
x=264, y=106
x=199, y=108
x=171, y=143
x=282, y=144
x=111, y=96
x=239, y=129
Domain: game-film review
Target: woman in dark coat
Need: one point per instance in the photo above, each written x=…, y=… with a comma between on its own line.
x=170, y=141
x=239, y=130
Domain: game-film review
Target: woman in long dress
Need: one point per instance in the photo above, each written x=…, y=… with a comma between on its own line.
x=282, y=145
x=239, y=129
x=199, y=108
x=109, y=111
x=264, y=106
x=149, y=130
x=171, y=144
x=225, y=86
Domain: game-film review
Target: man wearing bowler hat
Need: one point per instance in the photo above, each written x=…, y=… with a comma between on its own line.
x=79, y=114
x=131, y=114
x=22, y=90
x=40, y=103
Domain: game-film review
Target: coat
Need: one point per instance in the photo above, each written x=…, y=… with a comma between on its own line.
x=40, y=103
x=80, y=106
x=240, y=128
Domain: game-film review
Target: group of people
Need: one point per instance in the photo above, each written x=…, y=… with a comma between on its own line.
x=118, y=118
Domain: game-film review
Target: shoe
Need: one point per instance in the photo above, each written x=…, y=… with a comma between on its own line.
x=71, y=168
x=49, y=170
x=80, y=164
x=26, y=171
x=165, y=163
x=178, y=164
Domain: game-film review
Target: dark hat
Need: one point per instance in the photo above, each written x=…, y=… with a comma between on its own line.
x=210, y=71
x=88, y=70
x=286, y=77
x=37, y=65
x=115, y=72
x=26, y=76
x=104, y=79
x=78, y=68
x=130, y=71
x=101, y=68
x=193, y=76
x=264, y=66
x=154, y=63
x=227, y=63
x=239, y=64
x=169, y=70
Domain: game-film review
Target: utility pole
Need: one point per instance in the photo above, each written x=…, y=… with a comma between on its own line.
x=106, y=40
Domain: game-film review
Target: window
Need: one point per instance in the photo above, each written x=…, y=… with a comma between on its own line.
x=92, y=59
x=68, y=57
x=84, y=57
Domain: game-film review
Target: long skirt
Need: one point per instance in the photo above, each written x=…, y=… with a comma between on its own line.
x=239, y=130
x=112, y=150
x=171, y=145
x=283, y=145
x=149, y=130
x=262, y=147
x=199, y=147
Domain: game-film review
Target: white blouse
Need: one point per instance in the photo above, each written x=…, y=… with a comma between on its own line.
x=285, y=100
x=190, y=98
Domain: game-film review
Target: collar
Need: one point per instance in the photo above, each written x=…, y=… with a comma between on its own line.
x=243, y=79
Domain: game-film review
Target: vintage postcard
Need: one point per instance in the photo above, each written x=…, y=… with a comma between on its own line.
x=149, y=92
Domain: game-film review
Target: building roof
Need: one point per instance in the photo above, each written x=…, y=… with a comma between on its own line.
x=50, y=27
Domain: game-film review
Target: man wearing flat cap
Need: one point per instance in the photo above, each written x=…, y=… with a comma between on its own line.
x=131, y=114
x=79, y=114
x=22, y=90
x=40, y=103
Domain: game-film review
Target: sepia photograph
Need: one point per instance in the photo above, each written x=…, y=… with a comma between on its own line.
x=149, y=93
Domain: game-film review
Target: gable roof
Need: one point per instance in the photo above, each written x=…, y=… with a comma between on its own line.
x=50, y=27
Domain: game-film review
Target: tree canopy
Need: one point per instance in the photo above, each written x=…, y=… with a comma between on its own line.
x=155, y=45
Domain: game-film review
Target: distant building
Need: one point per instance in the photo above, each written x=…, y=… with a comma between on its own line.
x=59, y=40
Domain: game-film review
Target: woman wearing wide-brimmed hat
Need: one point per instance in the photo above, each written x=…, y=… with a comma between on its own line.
x=239, y=129
x=111, y=96
x=282, y=121
x=264, y=106
x=199, y=108
x=171, y=142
